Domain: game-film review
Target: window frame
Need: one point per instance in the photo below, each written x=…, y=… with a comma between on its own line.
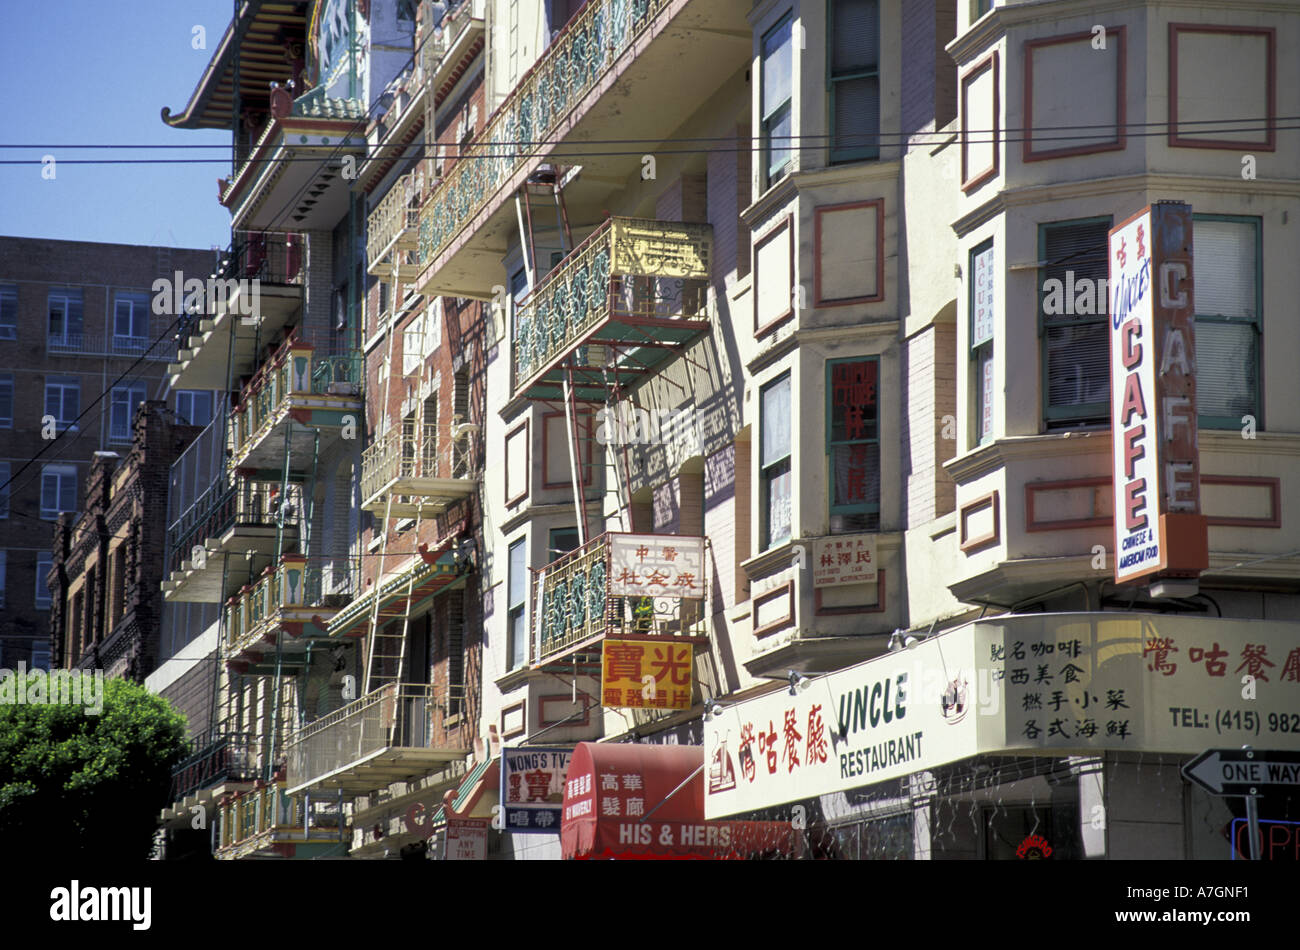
x=1204, y=421
x=1056, y=418
x=192, y=396
x=9, y=294
x=859, y=508
x=140, y=311
x=60, y=470
x=773, y=470
x=839, y=156
x=65, y=339
x=63, y=384
x=38, y=601
x=783, y=110
x=4, y=557
x=6, y=472
x=7, y=382
x=980, y=353
x=124, y=435
x=517, y=640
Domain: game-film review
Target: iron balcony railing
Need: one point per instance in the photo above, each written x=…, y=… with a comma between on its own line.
x=269, y=257
x=394, y=716
x=573, y=63
x=295, y=584
x=582, y=596
x=395, y=222
x=629, y=270
x=247, y=815
x=227, y=758
x=299, y=366
x=222, y=507
x=154, y=347
x=424, y=451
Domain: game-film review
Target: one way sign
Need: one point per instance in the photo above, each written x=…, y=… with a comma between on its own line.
x=1244, y=771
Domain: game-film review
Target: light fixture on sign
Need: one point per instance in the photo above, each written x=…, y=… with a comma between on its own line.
x=712, y=709
x=896, y=641
x=798, y=682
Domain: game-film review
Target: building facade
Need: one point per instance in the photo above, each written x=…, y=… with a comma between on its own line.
x=727, y=366
x=81, y=345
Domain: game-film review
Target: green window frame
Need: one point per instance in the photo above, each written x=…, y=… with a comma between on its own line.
x=853, y=443
x=1075, y=347
x=776, y=453
x=1228, y=344
x=853, y=79
x=981, y=351
x=979, y=7
x=776, y=96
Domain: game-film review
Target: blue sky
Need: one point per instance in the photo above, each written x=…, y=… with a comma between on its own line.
x=89, y=72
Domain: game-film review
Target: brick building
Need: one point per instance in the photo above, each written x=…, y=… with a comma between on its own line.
x=107, y=565
x=81, y=345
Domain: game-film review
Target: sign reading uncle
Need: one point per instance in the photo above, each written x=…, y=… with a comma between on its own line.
x=882, y=719
x=532, y=788
x=844, y=559
x=656, y=565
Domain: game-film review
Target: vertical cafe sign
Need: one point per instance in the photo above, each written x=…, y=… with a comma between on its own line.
x=1158, y=525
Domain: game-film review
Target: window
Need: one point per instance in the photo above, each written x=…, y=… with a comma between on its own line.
x=44, y=561
x=194, y=406
x=40, y=654
x=518, y=291
x=1229, y=309
x=853, y=443
x=854, y=79
x=982, y=317
x=122, y=410
x=131, y=323
x=518, y=597
x=413, y=346
x=63, y=399
x=979, y=8
x=58, y=490
x=3, y=555
x=65, y=320
x=774, y=471
x=1072, y=307
x=8, y=312
x=6, y=400
x=562, y=541
x=4, y=489
x=777, y=72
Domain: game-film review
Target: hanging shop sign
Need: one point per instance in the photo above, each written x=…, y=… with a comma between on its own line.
x=656, y=565
x=1155, y=459
x=654, y=674
x=844, y=559
x=662, y=248
x=532, y=788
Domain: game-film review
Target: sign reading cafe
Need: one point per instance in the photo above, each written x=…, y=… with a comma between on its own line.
x=1155, y=467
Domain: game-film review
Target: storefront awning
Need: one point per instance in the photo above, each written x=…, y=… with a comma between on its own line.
x=610, y=789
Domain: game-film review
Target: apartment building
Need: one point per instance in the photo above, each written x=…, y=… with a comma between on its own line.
x=737, y=378
x=81, y=345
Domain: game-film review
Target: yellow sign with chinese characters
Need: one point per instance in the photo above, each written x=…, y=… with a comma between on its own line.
x=646, y=673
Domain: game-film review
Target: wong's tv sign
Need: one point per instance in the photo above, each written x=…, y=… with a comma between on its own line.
x=1159, y=528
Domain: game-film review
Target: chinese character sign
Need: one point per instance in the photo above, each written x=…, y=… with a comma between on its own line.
x=646, y=673
x=844, y=559
x=532, y=788
x=656, y=565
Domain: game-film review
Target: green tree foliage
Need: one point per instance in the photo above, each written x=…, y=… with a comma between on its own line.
x=71, y=782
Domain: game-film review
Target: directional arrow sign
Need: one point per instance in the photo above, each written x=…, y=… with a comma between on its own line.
x=1244, y=771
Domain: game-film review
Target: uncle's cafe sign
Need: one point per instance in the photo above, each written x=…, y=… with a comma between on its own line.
x=1054, y=684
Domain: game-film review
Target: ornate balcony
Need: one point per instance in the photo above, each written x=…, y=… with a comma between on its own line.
x=621, y=586
x=391, y=734
x=303, y=388
x=229, y=762
x=268, y=822
x=239, y=517
x=393, y=230
x=295, y=597
x=616, y=58
x=626, y=301
x=209, y=358
x=420, y=469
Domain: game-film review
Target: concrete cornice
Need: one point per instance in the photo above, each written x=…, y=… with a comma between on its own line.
x=996, y=454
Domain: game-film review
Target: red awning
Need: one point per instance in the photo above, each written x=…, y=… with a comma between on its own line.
x=611, y=787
